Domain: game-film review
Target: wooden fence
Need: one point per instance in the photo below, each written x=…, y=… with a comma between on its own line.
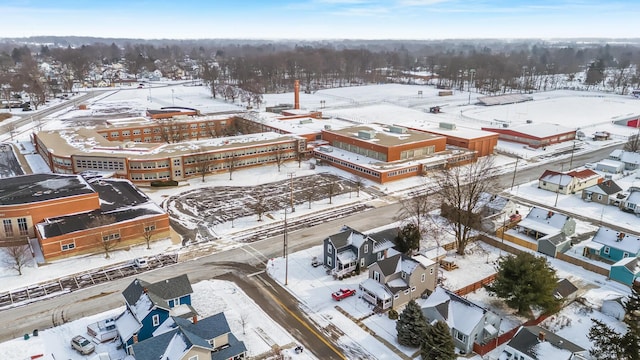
x=475, y=286
x=485, y=348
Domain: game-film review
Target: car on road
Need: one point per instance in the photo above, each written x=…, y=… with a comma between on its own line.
x=82, y=345
x=343, y=294
x=140, y=263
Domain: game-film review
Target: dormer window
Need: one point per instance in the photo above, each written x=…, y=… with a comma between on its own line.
x=175, y=301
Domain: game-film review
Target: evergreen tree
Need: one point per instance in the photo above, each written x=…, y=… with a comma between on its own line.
x=408, y=238
x=608, y=344
x=438, y=343
x=525, y=280
x=411, y=325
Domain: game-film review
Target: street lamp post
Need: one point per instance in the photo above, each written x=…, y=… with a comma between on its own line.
x=286, y=250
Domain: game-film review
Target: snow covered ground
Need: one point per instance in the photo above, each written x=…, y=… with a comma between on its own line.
x=383, y=103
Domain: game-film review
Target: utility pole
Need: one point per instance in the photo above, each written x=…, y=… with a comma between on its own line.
x=513, y=180
x=291, y=175
x=573, y=149
x=559, y=184
x=286, y=250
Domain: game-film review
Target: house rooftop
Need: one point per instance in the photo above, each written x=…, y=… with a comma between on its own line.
x=540, y=343
x=623, y=241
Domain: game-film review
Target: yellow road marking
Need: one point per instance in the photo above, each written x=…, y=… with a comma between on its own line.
x=307, y=326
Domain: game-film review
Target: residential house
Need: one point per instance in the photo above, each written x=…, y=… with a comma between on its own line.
x=630, y=159
x=180, y=339
x=495, y=211
x=537, y=343
x=569, y=182
x=566, y=291
x=610, y=166
x=467, y=321
x=625, y=271
x=350, y=250
x=613, y=245
x=540, y=222
x=149, y=305
x=605, y=193
x=397, y=279
x=632, y=203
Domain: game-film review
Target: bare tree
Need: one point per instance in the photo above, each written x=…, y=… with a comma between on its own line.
x=633, y=143
x=203, y=165
x=330, y=189
x=259, y=205
x=310, y=191
x=210, y=75
x=16, y=257
x=460, y=189
x=230, y=160
x=299, y=157
x=278, y=153
x=358, y=183
x=244, y=321
x=147, y=232
x=415, y=210
x=108, y=239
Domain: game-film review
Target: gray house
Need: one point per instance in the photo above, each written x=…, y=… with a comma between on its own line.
x=610, y=166
x=350, y=250
x=540, y=223
x=469, y=323
x=606, y=193
x=632, y=202
x=630, y=159
x=395, y=280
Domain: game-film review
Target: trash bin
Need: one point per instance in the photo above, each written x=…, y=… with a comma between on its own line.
x=26, y=336
x=35, y=332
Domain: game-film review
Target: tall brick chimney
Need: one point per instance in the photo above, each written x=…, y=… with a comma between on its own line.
x=296, y=94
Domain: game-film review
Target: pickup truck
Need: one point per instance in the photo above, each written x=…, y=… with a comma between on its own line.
x=342, y=294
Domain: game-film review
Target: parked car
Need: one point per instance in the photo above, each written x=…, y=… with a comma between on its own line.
x=140, y=263
x=315, y=262
x=342, y=294
x=82, y=345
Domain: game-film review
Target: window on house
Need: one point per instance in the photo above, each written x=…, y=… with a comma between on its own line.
x=376, y=276
x=599, y=197
x=329, y=261
x=606, y=250
x=362, y=262
x=194, y=357
x=431, y=271
x=329, y=249
x=423, y=277
x=156, y=320
x=413, y=289
x=380, y=255
x=366, y=248
x=176, y=302
x=460, y=336
x=625, y=255
x=406, y=292
x=68, y=246
x=404, y=275
x=396, y=296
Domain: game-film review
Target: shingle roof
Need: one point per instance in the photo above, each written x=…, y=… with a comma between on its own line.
x=158, y=292
x=564, y=289
x=607, y=187
x=526, y=341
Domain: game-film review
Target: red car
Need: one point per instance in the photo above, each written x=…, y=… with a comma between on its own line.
x=342, y=294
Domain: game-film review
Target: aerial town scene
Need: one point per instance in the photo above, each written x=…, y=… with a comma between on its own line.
x=321, y=179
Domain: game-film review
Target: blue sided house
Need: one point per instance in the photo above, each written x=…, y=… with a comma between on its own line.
x=626, y=271
x=149, y=305
x=182, y=339
x=612, y=245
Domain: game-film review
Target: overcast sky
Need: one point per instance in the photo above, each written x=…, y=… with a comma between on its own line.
x=321, y=19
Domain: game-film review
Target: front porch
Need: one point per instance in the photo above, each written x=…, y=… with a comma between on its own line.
x=376, y=294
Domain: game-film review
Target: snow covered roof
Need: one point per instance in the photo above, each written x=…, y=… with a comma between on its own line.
x=374, y=287
x=555, y=177
x=41, y=187
x=347, y=256
x=458, y=313
x=631, y=263
x=633, y=198
x=127, y=325
x=607, y=187
x=540, y=343
x=544, y=221
x=623, y=241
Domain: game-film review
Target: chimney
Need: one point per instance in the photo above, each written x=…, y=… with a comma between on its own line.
x=541, y=336
x=145, y=290
x=296, y=94
x=195, y=319
x=135, y=338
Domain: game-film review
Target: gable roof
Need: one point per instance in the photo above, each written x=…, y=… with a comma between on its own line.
x=555, y=177
x=347, y=237
x=553, y=346
x=631, y=263
x=564, y=289
x=634, y=197
x=157, y=294
x=583, y=174
x=607, y=187
x=619, y=240
x=457, y=312
x=545, y=221
x=390, y=265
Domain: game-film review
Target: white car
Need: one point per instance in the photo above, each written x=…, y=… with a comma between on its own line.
x=140, y=263
x=82, y=345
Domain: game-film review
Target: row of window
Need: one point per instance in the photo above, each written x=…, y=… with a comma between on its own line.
x=23, y=228
x=348, y=164
x=100, y=164
x=402, y=171
x=361, y=151
x=408, y=154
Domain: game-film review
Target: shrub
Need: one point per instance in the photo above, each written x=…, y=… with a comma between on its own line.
x=393, y=315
